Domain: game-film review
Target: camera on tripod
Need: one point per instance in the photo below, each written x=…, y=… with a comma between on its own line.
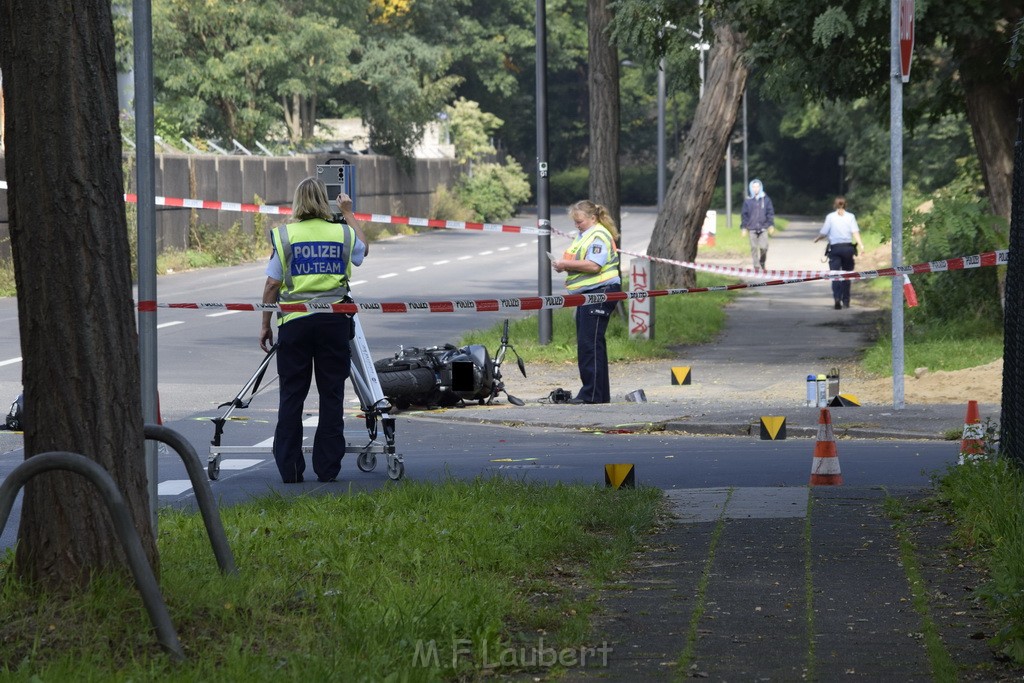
x=338, y=175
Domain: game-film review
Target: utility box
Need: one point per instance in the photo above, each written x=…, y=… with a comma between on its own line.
x=339, y=175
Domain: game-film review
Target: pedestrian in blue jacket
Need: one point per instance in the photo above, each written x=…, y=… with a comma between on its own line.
x=758, y=222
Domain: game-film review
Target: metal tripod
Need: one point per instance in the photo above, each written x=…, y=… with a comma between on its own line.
x=374, y=405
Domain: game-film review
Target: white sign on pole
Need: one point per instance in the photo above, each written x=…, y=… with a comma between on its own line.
x=641, y=311
x=906, y=37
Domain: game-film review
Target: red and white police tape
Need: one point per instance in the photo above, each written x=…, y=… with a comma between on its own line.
x=368, y=217
x=536, y=303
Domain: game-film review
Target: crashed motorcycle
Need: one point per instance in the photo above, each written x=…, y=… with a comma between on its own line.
x=446, y=375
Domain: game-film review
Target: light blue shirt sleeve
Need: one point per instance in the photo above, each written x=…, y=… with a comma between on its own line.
x=274, y=269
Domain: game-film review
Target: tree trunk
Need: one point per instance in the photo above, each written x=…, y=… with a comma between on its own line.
x=991, y=109
x=677, y=230
x=603, y=88
x=72, y=268
x=292, y=118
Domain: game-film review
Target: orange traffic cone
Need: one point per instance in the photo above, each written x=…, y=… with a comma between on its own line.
x=825, y=467
x=972, y=445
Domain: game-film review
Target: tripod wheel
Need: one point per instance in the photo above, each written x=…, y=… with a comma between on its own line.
x=366, y=461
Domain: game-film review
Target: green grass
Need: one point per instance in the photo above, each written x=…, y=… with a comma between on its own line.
x=679, y=319
x=948, y=346
x=361, y=586
x=984, y=500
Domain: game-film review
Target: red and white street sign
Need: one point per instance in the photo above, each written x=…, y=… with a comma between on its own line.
x=906, y=37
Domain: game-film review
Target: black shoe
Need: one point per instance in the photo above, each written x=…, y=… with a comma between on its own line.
x=578, y=401
x=838, y=305
x=846, y=304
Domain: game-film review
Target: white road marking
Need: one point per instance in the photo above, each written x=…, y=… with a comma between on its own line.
x=238, y=463
x=386, y=276
x=170, y=324
x=10, y=361
x=357, y=282
x=173, y=487
x=463, y=258
x=217, y=315
x=441, y=262
x=413, y=270
x=485, y=253
x=504, y=248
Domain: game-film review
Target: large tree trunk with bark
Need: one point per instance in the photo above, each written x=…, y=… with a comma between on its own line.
x=72, y=267
x=677, y=230
x=991, y=111
x=603, y=87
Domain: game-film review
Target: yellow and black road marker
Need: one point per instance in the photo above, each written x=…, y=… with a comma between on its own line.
x=844, y=400
x=620, y=476
x=680, y=375
x=773, y=427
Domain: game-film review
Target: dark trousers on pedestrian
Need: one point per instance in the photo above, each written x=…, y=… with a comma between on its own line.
x=319, y=344
x=591, y=349
x=840, y=257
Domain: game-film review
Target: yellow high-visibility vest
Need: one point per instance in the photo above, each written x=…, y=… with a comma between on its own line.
x=577, y=251
x=316, y=261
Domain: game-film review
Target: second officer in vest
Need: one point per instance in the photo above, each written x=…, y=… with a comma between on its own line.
x=592, y=264
x=312, y=263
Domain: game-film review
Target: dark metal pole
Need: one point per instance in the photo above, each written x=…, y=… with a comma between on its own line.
x=1011, y=426
x=661, y=133
x=544, y=316
x=142, y=29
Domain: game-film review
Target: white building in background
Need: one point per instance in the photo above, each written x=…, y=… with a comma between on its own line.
x=353, y=133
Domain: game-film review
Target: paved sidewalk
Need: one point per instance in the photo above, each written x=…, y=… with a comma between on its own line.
x=768, y=584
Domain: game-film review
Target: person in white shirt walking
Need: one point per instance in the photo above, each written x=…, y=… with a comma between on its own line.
x=843, y=234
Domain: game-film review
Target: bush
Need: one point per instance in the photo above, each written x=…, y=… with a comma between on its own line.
x=494, y=190
x=446, y=206
x=566, y=187
x=959, y=223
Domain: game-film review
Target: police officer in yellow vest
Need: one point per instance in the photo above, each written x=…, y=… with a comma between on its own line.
x=592, y=263
x=312, y=263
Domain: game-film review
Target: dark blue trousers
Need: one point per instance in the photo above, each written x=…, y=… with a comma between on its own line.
x=591, y=350
x=319, y=344
x=840, y=257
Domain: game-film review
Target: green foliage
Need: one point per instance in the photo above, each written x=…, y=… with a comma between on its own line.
x=494, y=190
x=344, y=587
x=568, y=186
x=471, y=130
x=639, y=186
x=958, y=223
x=830, y=25
x=985, y=498
x=405, y=83
x=446, y=206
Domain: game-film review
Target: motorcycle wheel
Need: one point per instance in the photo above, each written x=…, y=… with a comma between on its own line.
x=406, y=385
